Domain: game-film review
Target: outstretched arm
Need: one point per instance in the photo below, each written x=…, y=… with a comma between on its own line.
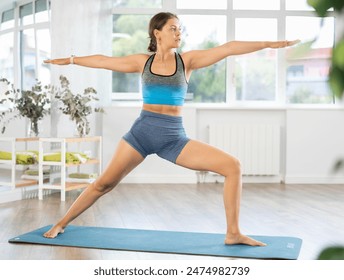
x=203, y=58
x=126, y=64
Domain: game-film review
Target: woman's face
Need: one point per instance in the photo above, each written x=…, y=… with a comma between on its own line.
x=170, y=35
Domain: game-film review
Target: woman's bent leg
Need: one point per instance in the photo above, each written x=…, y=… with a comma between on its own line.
x=125, y=159
x=203, y=157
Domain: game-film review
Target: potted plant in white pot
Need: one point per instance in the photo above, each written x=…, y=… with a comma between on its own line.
x=77, y=106
x=32, y=104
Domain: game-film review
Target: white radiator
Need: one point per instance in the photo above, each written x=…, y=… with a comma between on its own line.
x=257, y=146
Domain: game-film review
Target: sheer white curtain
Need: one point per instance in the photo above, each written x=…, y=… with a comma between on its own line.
x=81, y=27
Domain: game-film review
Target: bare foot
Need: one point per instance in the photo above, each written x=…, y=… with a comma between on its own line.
x=54, y=231
x=242, y=239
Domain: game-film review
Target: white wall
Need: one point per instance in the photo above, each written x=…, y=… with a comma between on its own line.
x=81, y=27
x=315, y=140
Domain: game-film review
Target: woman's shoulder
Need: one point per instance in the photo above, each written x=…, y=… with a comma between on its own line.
x=141, y=57
x=187, y=56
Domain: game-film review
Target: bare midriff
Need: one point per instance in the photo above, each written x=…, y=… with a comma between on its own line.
x=163, y=109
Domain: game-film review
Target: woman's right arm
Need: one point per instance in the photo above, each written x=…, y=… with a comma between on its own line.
x=126, y=64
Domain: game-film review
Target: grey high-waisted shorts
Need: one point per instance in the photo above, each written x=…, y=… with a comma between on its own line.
x=160, y=134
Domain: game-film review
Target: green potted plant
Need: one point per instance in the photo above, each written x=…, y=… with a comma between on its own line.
x=32, y=104
x=77, y=106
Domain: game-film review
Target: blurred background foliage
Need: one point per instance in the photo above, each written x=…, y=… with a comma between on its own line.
x=336, y=80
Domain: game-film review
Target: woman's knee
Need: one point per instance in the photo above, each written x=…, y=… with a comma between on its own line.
x=103, y=186
x=233, y=167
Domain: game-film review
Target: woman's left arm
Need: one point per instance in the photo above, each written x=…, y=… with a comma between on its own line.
x=202, y=58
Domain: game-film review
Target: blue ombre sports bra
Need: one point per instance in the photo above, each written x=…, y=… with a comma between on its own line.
x=161, y=89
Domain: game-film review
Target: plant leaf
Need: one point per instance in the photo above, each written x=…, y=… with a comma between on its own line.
x=338, y=54
x=320, y=6
x=332, y=253
x=336, y=81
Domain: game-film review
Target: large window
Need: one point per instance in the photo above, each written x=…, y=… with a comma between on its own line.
x=129, y=36
x=256, y=5
x=307, y=73
x=202, y=32
x=255, y=73
x=138, y=4
x=7, y=19
x=25, y=43
x=6, y=56
x=192, y=4
x=7, y=44
x=274, y=76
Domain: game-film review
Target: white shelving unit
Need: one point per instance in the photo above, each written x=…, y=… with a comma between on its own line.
x=12, y=142
x=63, y=185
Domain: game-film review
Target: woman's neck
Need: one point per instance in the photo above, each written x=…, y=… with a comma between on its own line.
x=163, y=55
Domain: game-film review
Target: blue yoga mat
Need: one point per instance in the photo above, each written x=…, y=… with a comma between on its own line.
x=191, y=243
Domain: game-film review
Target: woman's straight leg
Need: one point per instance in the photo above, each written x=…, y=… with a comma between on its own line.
x=125, y=159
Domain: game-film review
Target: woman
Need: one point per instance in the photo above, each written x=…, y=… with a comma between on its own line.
x=159, y=129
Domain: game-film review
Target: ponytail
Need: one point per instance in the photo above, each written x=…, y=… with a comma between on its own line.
x=152, y=45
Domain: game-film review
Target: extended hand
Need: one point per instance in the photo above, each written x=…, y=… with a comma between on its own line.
x=58, y=61
x=282, y=44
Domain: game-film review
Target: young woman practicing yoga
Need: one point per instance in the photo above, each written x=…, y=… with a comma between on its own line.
x=159, y=128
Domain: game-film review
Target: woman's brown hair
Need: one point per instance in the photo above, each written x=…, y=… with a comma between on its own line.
x=157, y=22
